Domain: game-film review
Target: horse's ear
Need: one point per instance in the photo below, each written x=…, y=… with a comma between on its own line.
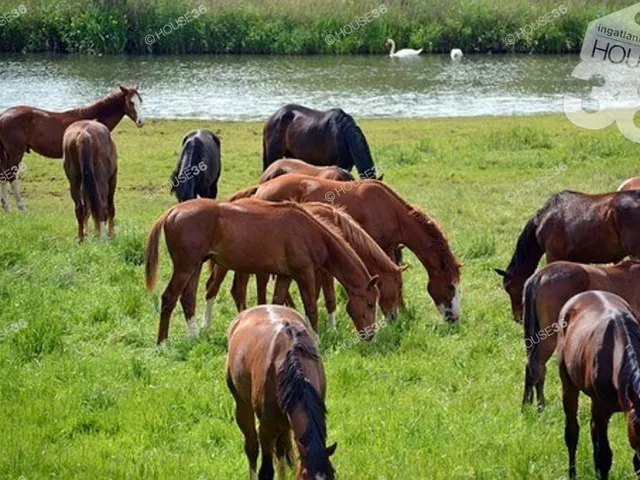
x=500, y=272
x=123, y=89
x=374, y=281
x=184, y=139
x=137, y=87
x=381, y=177
x=402, y=268
x=331, y=449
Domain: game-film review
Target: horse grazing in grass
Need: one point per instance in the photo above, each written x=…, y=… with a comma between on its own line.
x=576, y=227
x=373, y=257
x=598, y=353
x=319, y=137
x=275, y=373
x=198, y=169
x=545, y=294
x=291, y=165
x=23, y=129
x=91, y=165
x=255, y=236
x=632, y=183
x=387, y=218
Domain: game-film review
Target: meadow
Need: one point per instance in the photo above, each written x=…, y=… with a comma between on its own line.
x=85, y=393
x=296, y=26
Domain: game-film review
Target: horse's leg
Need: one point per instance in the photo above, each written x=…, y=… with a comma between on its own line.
x=239, y=290
x=395, y=254
x=527, y=397
x=636, y=464
x=281, y=290
x=602, y=455
x=306, y=281
x=4, y=196
x=262, y=280
x=111, y=205
x=188, y=302
x=169, y=298
x=76, y=195
x=283, y=453
x=247, y=424
x=267, y=442
x=329, y=292
x=571, y=428
x=213, y=287
x=15, y=187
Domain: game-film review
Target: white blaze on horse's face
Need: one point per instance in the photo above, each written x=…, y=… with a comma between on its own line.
x=452, y=313
x=137, y=106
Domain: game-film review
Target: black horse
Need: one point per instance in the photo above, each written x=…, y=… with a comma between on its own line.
x=318, y=137
x=198, y=168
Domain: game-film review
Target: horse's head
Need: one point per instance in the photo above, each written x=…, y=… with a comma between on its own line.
x=133, y=104
x=316, y=468
x=514, y=286
x=361, y=307
x=446, y=296
x=390, y=287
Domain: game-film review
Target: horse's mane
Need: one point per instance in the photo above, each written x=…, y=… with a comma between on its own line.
x=104, y=104
x=630, y=372
x=294, y=389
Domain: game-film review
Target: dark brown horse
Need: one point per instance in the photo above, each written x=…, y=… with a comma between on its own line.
x=632, y=183
x=576, y=227
x=198, y=169
x=291, y=165
x=255, y=236
x=275, y=374
x=319, y=137
x=91, y=165
x=23, y=129
x=387, y=218
x=548, y=290
x=598, y=350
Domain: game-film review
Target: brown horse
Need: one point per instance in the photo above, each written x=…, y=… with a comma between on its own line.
x=598, y=350
x=23, y=129
x=387, y=218
x=290, y=165
x=373, y=257
x=275, y=373
x=632, y=183
x=576, y=227
x=255, y=236
x=91, y=165
x=545, y=294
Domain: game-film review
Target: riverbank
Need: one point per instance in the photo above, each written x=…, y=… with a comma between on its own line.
x=294, y=27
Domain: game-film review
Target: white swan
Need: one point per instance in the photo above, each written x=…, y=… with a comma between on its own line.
x=456, y=54
x=405, y=52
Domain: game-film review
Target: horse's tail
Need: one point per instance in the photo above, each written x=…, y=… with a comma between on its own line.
x=85, y=154
x=532, y=326
x=273, y=136
x=353, y=145
x=151, y=253
x=244, y=193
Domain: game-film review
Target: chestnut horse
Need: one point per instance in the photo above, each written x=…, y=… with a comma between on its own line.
x=23, y=129
x=255, y=236
x=632, y=183
x=387, y=218
x=548, y=290
x=376, y=261
x=91, y=165
x=319, y=137
x=598, y=350
x=275, y=373
x=577, y=227
x=198, y=169
x=290, y=165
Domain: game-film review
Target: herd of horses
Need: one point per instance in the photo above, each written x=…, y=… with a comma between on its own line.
x=300, y=224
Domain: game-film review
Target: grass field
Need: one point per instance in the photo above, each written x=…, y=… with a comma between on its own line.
x=84, y=392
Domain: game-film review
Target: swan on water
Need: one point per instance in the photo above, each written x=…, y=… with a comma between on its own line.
x=456, y=54
x=405, y=52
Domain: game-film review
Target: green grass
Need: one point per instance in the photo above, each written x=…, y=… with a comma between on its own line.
x=84, y=392
x=297, y=26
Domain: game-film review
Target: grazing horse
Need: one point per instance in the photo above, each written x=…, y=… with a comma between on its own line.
x=23, y=129
x=290, y=165
x=198, y=168
x=373, y=257
x=576, y=227
x=255, y=236
x=598, y=353
x=319, y=137
x=387, y=218
x=545, y=294
x=275, y=373
x=90, y=163
x=632, y=183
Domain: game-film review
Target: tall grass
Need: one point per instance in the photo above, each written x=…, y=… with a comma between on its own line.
x=293, y=26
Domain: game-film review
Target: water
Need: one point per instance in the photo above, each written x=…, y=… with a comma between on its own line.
x=253, y=87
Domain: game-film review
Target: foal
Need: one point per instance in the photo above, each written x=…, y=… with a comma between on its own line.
x=90, y=162
x=275, y=373
x=291, y=165
x=598, y=350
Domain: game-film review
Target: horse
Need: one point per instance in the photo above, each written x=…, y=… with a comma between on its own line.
x=577, y=227
x=275, y=373
x=91, y=166
x=387, y=218
x=319, y=137
x=289, y=165
x=373, y=257
x=198, y=169
x=632, y=183
x=598, y=350
x=24, y=128
x=255, y=236
x=547, y=291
